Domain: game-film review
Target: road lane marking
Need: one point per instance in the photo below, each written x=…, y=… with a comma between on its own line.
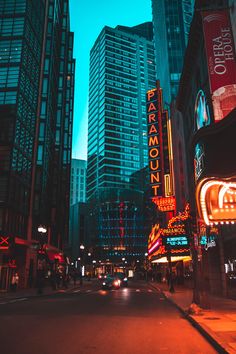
x=76, y=291
x=21, y=299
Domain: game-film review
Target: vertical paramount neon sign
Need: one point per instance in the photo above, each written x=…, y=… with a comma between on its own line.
x=154, y=112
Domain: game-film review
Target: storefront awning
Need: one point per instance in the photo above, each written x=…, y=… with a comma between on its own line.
x=56, y=256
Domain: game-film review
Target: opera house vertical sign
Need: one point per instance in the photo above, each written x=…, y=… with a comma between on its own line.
x=219, y=46
x=216, y=182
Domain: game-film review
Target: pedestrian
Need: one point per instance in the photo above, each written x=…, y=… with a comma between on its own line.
x=74, y=277
x=40, y=281
x=14, y=281
x=80, y=278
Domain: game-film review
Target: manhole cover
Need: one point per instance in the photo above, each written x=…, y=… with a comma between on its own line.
x=212, y=318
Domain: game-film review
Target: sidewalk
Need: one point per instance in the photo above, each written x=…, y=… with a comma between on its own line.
x=47, y=290
x=218, y=324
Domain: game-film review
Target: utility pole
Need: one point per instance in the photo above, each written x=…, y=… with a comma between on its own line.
x=171, y=284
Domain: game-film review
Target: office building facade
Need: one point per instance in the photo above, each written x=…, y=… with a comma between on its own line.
x=36, y=105
x=171, y=24
x=122, y=69
x=78, y=181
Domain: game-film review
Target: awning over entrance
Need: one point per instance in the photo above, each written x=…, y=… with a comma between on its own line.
x=56, y=256
x=173, y=259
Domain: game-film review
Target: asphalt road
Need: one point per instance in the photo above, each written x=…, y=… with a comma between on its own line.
x=134, y=320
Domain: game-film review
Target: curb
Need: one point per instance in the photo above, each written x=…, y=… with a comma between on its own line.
x=219, y=347
x=36, y=295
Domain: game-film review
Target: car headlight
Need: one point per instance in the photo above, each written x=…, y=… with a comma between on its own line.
x=103, y=283
x=125, y=279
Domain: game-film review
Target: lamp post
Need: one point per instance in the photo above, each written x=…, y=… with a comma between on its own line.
x=41, y=260
x=171, y=284
x=146, y=265
x=42, y=231
x=82, y=248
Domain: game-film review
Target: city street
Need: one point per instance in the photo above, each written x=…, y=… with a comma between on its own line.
x=132, y=320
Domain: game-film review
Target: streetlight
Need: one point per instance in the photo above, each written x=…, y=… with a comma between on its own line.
x=94, y=262
x=146, y=265
x=42, y=231
x=82, y=263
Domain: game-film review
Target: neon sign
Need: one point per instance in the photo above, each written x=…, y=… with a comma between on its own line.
x=176, y=241
x=4, y=242
x=165, y=203
x=216, y=200
x=154, y=140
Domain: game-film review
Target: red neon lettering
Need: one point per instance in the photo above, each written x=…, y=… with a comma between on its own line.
x=155, y=178
x=154, y=153
x=152, y=118
x=155, y=189
x=153, y=140
x=152, y=167
x=152, y=129
x=150, y=94
x=152, y=107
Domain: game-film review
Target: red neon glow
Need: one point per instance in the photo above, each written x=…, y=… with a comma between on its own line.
x=181, y=217
x=165, y=203
x=216, y=199
x=4, y=242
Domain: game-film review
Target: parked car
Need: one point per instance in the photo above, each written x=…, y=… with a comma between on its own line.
x=111, y=282
x=122, y=277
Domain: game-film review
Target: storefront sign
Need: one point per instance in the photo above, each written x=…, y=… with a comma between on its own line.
x=176, y=241
x=221, y=61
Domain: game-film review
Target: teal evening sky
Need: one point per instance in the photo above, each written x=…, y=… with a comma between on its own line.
x=88, y=17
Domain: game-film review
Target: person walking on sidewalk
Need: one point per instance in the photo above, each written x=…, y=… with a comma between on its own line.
x=14, y=281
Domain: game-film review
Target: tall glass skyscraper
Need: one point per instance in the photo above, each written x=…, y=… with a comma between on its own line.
x=36, y=112
x=171, y=23
x=122, y=69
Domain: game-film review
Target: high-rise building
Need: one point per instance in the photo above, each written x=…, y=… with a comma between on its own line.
x=36, y=112
x=78, y=181
x=171, y=24
x=122, y=69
